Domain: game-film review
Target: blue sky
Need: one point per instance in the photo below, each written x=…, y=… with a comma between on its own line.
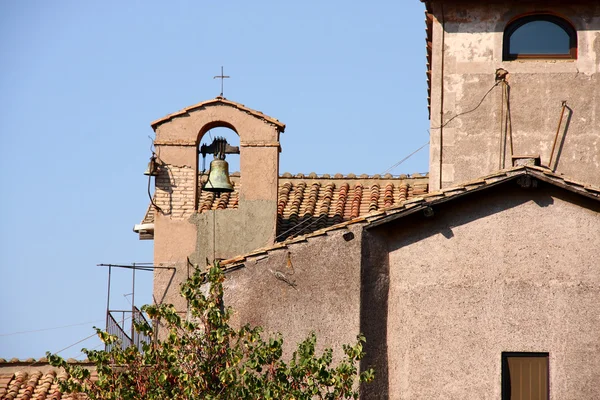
x=81, y=81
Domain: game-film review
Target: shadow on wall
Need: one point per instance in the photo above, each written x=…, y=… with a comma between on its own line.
x=294, y=225
x=416, y=227
x=166, y=182
x=375, y=284
x=171, y=276
x=377, y=243
x=380, y=241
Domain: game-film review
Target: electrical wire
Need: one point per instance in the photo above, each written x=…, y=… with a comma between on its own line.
x=150, y=195
x=301, y=223
x=405, y=158
x=469, y=111
x=82, y=340
x=76, y=343
x=150, y=176
x=66, y=348
x=50, y=329
x=93, y=348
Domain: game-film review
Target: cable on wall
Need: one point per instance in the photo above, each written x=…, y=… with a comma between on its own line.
x=471, y=110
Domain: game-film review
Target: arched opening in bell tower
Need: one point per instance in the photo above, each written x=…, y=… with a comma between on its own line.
x=217, y=141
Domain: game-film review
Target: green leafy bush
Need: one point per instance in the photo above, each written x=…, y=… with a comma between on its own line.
x=203, y=357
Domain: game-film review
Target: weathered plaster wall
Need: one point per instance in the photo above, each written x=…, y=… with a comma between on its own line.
x=223, y=234
x=313, y=285
x=375, y=284
x=467, y=50
x=180, y=231
x=174, y=243
x=510, y=269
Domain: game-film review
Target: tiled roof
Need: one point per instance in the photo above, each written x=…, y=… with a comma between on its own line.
x=310, y=202
x=306, y=205
x=429, y=47
x=219, y=101
x=32, y=379
x=148, y=221
x=380, y=217
x=540, y=173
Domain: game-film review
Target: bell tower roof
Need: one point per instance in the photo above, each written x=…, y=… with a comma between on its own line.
x=219, y=101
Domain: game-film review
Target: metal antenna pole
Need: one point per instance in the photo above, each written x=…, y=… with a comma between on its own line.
x=133, y=302
x=108, y=297
x=222, y=77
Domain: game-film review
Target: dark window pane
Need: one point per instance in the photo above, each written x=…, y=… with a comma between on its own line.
x=539, y=37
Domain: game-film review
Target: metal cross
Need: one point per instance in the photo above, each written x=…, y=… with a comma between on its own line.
x=221, y=77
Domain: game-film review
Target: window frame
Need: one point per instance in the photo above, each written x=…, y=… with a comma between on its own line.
x=518, y=22
x=506, y=386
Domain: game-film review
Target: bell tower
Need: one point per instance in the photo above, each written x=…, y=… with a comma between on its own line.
x=192, y=224
x=510, y=81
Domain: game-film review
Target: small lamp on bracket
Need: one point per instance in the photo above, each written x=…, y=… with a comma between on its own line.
x=152, y=169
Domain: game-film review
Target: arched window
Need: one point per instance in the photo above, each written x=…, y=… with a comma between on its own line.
x=540, y=36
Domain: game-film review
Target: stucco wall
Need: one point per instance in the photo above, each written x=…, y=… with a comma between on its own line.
x=510, y=269
x=322, y=292
x=466, y=51
x=223, y=234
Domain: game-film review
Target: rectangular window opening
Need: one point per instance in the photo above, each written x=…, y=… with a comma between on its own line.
x=525, y=376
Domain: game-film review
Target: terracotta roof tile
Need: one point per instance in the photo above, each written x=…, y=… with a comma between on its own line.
x=22, y=380
x=325, y=205
x=374, y=198
x=206, y=201
x=356, y=198
x=340, y=204
x=307, y=203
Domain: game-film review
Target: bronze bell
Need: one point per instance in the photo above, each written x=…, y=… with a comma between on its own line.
x=218, y=177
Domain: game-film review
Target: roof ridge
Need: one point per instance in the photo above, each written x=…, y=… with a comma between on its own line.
x=39, y=361
x=453, y=191
x=236, y=260
x=218, y=100
x=314, y=175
